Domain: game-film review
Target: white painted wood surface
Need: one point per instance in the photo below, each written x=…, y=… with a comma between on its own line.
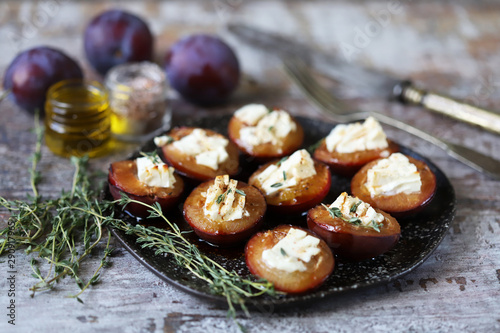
x=451, y=47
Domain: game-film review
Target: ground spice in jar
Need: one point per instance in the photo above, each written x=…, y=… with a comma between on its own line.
x=137, y=98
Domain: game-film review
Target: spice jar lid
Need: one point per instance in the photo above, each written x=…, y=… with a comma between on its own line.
x=136, y=77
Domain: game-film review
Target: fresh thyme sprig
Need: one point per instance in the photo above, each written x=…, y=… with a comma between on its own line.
x=61, y=232
x=153, y=156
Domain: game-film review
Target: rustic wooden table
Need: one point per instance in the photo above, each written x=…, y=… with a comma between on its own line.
x=450, y=47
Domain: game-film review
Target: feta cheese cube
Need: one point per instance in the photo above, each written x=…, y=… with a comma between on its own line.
x=209, y=151
x=154, y=173
x=222, y=202
x=291, y=252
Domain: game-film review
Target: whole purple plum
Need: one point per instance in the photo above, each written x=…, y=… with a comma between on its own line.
x=115, y=37
x=33, y=71
x=203, y=69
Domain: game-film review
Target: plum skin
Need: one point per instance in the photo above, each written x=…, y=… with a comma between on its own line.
x=33, y=71
x=203, y=69
x=115, y=37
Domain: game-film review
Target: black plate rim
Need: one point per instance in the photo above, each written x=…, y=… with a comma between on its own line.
x=138, y=253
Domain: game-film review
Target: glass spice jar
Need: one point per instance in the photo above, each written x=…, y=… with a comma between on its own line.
x=77, y=119
x=138, y=101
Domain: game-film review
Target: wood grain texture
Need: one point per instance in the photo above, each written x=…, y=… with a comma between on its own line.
x=452, y=47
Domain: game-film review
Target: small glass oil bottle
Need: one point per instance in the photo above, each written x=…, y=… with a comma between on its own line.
x=77, y=119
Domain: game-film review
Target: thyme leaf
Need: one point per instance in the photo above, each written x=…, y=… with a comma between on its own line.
x=153, y=156
x=240, y=192
x=354, y=207
x=276, y=185
x=312, y=148
x=281, y=161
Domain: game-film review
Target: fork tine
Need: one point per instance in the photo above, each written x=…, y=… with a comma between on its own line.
x=311, y=87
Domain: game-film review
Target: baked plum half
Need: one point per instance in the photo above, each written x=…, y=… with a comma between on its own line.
x=353, y=229
x=224, y=211
x=200, y=154
x=293, y=259
x=399, y=185
x=265, y=134
x=293, y=184
x=347, y=164
x=123, y=178
x=350, y=146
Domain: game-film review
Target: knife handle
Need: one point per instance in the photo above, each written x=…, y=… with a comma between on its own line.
x=407, y=93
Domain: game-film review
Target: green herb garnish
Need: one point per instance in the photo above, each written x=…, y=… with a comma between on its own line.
x=221, y=197
x=335, y=212
x=240, y=192
x=354, y=207
x=153, y=156
x=281, y=161
x=270, y=128
x=284, y=175
x=354, y=220
x=314, y=146
x=376, y=225
x=283, y=253
x=277, y=185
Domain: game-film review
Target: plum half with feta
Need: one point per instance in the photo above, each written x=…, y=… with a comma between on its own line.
x=353, y=229
x=147, y=180
x=293, y=184
x=350, y=146
x=399, y=185
x=200, y=154
x=224, y=211
x=265, y=134
x=293, y=259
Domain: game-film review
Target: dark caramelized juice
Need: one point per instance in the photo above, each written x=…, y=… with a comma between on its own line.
x=77, y=120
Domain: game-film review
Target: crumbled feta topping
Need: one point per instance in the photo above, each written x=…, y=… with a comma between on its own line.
x=289, y=173
x=291, y=252
x=162, y=140
x=154, y=173
x=251, y=114
x=352, y=207
x=209, y=151
x=357, y=137
x=393, y=175
x=223, y=202
x=264, y=127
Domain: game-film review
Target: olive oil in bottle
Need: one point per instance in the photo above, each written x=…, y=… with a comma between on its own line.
x=77, y=119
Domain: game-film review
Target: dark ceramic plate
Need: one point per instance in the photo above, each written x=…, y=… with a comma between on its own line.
x=420, y=235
